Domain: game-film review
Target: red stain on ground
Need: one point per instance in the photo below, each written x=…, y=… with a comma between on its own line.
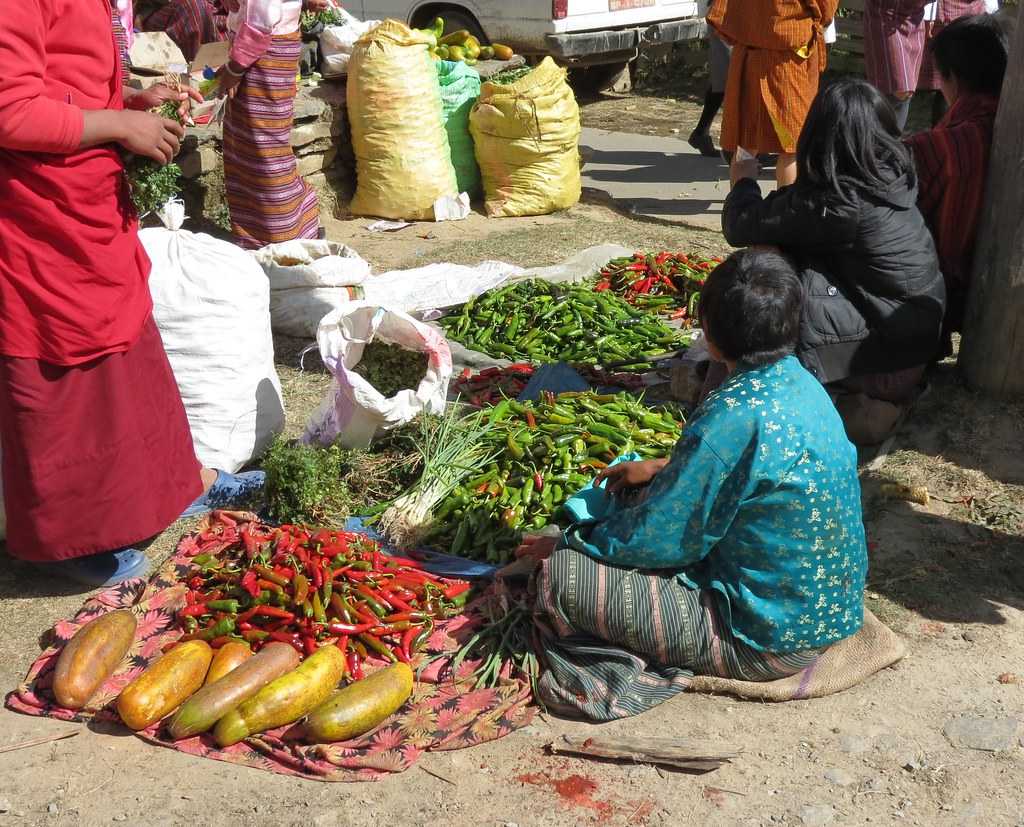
x=574, y=790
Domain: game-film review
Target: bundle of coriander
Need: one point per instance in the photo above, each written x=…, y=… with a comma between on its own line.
x=452, y=447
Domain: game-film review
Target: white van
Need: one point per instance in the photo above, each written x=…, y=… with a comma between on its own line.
x=576, y=33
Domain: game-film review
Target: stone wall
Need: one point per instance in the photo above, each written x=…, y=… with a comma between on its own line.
x=322, y=145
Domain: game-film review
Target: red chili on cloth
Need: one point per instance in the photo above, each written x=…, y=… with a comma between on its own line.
x=72, y=271
x=95, y=456
x=441, y=715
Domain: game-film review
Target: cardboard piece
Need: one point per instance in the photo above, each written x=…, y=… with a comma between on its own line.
x=213, y=55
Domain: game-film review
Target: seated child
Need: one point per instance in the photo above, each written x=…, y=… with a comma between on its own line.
x=744, y=558
x=952, y=159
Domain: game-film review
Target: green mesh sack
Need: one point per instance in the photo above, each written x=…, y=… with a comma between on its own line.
x=460, y=89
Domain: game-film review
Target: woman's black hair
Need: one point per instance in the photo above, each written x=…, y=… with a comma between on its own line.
x=974, y=51
x=750, y=307
x=851, y=141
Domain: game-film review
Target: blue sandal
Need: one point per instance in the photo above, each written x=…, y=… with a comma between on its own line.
x=228, y=491
x=100, y=570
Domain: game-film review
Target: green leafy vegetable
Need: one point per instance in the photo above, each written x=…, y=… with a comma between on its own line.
x=153, y=184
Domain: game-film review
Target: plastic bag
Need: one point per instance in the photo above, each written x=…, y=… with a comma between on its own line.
x=337, y=43
x=309, y=279
x=460, y=90
x=353, y=411
x=403, y=161
x=211, y=302
x=527, y=143
x=435, y=286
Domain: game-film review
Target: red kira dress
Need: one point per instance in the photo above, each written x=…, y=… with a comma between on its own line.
x=96, y=448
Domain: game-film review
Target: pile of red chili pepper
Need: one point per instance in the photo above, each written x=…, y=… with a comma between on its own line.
x=667, y=283
x=492, y=385
x=314, y=587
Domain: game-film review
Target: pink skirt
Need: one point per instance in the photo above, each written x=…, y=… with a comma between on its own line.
x=96, y=456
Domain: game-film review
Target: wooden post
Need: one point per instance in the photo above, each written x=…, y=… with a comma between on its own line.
x=992, y=349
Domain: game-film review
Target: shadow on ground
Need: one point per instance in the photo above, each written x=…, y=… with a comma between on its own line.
x=959, y=559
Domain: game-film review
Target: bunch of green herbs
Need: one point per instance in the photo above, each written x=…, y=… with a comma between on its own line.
x=327, y=485
x=150, y=183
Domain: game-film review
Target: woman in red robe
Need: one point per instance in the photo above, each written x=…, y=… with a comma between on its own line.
x=96, y=448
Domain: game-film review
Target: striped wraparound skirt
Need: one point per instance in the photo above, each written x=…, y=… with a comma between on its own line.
x=123, y=54
x=616, y=642
x=268, y=199
x=190, y=23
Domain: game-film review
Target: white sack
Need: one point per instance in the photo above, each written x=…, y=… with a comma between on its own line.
x=309, y=279
x=337, y=42
x=211, y=304
x=353, y=411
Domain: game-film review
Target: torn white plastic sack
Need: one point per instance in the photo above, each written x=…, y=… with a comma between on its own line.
x=337, y=42
x=353, y=411
x=584, y=265
x=435, y=286
x=309, y=279
x=211, y=302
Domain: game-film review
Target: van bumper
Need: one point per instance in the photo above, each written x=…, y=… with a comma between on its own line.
x=587, y=46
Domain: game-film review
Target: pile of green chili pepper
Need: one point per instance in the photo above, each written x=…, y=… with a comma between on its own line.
x=312, y=587
x=549, y=450
x=537, y=321
x=667, y=283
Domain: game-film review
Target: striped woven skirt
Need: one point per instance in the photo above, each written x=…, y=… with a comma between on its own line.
x=190, y=23
x=123, y=54
x=268, y=199
x=617, y=642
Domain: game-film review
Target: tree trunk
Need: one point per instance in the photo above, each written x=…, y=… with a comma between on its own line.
x=992, y=349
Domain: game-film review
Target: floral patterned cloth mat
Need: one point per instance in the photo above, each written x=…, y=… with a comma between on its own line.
x=441, y=714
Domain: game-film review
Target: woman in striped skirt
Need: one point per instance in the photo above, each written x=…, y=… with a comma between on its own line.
x=268, y=199
x=189, y=23
x=743, y=556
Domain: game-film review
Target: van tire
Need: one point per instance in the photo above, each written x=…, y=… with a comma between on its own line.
x=590, y=81
x=454, y=20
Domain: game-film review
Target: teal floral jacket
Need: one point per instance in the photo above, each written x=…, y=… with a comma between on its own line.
x=760, y=503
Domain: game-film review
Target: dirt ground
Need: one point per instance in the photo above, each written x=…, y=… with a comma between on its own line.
x=947, y=576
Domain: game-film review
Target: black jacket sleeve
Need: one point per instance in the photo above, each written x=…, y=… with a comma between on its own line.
x=789, y=218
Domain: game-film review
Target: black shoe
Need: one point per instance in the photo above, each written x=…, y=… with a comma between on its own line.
x=727, y=156
x=701, y=141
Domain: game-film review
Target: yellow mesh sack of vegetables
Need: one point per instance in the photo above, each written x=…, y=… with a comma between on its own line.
x=527, y=138
x=403, y=162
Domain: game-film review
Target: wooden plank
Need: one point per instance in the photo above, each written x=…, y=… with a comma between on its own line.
x=674, y=752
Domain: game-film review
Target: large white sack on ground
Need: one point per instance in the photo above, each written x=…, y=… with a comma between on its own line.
x=353, y=411
x=308, y=279
x=211, y=302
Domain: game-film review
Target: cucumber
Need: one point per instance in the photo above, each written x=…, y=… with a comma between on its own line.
x=91, y=656
x=286, y=699
x=200, y=712
x=360, y=706
x=165, y=685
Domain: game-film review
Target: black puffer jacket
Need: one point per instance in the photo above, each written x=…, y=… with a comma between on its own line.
x=874, y=295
